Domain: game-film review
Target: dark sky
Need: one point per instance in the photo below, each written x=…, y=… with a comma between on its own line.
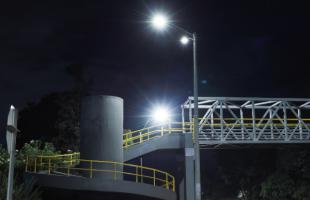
x=245, y=48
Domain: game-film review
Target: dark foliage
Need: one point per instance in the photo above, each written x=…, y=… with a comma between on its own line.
x=54, y=119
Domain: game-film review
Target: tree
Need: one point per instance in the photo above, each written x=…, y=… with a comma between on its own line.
x=54, y=119
x=22, y=191
x=291, y=181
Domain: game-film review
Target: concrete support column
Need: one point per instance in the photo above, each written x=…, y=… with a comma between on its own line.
x=189, y=168
x=102, y=136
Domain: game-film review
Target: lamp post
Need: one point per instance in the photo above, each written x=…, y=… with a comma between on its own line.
x=196, y=127
x=11, y=140
x=160, y=22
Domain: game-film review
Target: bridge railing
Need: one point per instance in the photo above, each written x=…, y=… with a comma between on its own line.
x=43, y=162
x=71, y=164
x=256, y=130
x=139, y=136
x=229, y=129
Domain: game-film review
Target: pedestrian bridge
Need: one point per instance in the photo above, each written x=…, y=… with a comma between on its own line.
x=222, y=120
x=232, y=120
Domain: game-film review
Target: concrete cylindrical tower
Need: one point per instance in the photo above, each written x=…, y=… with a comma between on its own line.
x=102, y=133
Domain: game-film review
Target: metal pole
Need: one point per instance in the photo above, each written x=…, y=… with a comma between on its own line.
x=11, y=169
x=11, y=141
x=196, y=145
x=141, y=170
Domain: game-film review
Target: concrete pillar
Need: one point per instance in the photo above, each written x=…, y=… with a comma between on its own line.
x=102, y=135
x=189, y=168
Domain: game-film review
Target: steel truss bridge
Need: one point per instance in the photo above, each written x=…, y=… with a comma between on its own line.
x=234, y=120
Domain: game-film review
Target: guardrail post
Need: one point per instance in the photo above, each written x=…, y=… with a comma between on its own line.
x=91, y=169
x=114, y=171
x=162, y=131
x=154, y=178
x=137, y=173
x=167, y=182
x=253, y=122
x=49, y=166
x=26, y=167
x=285, y=122
x=140, y=137
x=299, y=123
x=68, y=170
x=126, y=140
x=141, y=169
x=35, y=165
x=41, y=162
x=271, y=124
x=70, y=159
x=148, y=134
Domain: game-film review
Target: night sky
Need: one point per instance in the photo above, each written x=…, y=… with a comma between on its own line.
x=245, y=48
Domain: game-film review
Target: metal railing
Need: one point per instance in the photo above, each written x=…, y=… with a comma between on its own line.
x=139, y=136
x=250, y=120
x=229, y=129
x=71, y=164
x=49, y=163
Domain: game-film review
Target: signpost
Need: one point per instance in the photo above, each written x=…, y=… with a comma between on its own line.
x=11, y=141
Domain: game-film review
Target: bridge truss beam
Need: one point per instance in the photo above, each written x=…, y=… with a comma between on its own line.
x=233, y=120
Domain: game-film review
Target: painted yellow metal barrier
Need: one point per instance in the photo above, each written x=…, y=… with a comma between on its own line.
x=139, y=136
x=45, y=162
x=71, y=164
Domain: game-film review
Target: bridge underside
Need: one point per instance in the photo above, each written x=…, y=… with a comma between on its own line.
x=106, y=187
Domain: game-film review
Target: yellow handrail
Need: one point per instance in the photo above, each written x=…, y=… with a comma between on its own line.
x=62, y=163
x=139, y=136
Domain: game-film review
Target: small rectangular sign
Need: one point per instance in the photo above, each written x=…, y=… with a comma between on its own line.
x=189, y=151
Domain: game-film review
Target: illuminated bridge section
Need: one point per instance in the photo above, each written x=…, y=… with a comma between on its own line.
x=233, y=120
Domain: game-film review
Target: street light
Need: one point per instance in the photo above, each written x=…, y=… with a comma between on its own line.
x=11, y=141
x=160, y=22
x=184, y=40
x=161, y=115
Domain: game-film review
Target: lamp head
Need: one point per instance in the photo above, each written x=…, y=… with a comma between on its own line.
x=184, y=40
x=161, y=115
x=159, y=21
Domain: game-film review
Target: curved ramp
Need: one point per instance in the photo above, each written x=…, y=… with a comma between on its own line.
x=167, y=141
x=100, y=185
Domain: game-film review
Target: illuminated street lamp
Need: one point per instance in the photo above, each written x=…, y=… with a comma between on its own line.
x=161, y=115
x=184, y=40
x=160, y=22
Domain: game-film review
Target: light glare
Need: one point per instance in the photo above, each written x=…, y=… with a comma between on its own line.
x=184, y=40
x=159, y=21
x=161, y=115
